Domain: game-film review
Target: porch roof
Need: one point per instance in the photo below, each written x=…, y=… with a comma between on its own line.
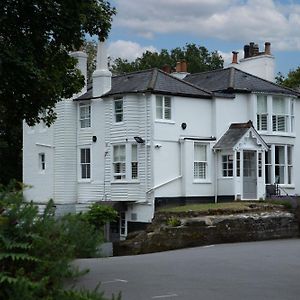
x=235, y=133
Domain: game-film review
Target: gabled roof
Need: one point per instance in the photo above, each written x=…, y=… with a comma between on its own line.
x=154, y=81
x=233, y=80
x=235, y=133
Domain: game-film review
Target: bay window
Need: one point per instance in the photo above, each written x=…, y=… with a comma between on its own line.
x=279, y=117
x=262, y=113
x=125, y=162
x=279, y=164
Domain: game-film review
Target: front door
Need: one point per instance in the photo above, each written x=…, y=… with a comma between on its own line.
x=250, y=175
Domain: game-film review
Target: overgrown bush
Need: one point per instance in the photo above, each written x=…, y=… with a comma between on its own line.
x=36, y=250
x=98, y=215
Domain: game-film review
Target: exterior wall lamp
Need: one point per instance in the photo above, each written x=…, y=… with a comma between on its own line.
x=139, y=140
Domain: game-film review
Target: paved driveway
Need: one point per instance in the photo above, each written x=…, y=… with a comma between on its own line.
x=256, y=270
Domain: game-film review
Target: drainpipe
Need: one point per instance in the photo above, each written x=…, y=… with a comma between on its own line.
x=216, y=175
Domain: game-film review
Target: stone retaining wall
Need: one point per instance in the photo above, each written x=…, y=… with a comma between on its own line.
x=206, y=230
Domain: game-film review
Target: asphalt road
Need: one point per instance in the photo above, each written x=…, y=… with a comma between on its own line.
x=256, y=270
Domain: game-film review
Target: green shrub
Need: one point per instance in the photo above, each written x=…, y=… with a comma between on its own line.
x=174, y=222
x=98, y=215
x=85, y=237
x=36, y=250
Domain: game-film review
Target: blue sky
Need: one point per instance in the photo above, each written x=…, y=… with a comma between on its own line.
x=222, y=25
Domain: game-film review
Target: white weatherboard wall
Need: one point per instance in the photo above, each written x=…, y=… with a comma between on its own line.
x=136, y=122
x=65, y=155
x=38, y=139
x=91, y=190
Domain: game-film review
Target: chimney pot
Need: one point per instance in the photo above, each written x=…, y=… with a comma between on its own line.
x=255, y=50
x=178, y=66
x=268, y=48
x=234, y=57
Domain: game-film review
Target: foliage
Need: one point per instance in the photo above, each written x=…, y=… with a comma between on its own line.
x=291, y=81
x=174, y=222
x=90, y=48
x=198, y=58
x=35, y=251
x=98, y=215
x=36, y=70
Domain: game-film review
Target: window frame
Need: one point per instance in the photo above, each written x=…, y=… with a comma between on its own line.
x=87, y=165
x=165, y=109
x=130, y=163
x=227, y=172
x=85, y=117
x=276, y=167
x=278, y=117
x=262, y=118
x=200, y=163
x=42, y=162
x=118, y=112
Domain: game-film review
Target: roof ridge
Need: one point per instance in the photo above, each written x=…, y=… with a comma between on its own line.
x=265, y=80
x=153, y=79
x=134, y=72
x=204, y=72
x=185, y=82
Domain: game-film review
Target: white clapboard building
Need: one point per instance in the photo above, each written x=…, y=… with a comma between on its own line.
x=143, y=139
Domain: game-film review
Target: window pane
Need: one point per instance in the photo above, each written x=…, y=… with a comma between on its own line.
x=134, y=153
x=278, y=105
x=261, y=104
x=159, y=107
x=200, y=152
x=199, y=170
x=279, y=154
x=118, y=110
x=168, y=113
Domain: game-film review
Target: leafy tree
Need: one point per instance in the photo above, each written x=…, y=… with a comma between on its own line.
x=90, y=48
x=198, y=58
x=291, y=81
x=36, y=250
x=35, y=68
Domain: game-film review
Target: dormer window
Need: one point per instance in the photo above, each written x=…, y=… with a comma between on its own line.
x=163, y=108
x=85, y=115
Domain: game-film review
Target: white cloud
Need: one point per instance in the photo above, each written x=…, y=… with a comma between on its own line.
x=231, y=20
x=127, y=50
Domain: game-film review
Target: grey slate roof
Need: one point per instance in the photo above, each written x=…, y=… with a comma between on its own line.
x=232, y=80
x=230, y=138
x=152, y=80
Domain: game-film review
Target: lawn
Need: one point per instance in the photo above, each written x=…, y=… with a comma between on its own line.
x=212, y=206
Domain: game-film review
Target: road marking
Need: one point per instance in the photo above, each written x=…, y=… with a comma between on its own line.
x=165, y=296
x=115, y=280
x=209, y=246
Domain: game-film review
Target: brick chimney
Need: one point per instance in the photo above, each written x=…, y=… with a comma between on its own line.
x=178, y=67
x=234, y=57
x=183, y=66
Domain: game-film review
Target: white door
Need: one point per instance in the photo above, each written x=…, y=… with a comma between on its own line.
x=250, y=175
